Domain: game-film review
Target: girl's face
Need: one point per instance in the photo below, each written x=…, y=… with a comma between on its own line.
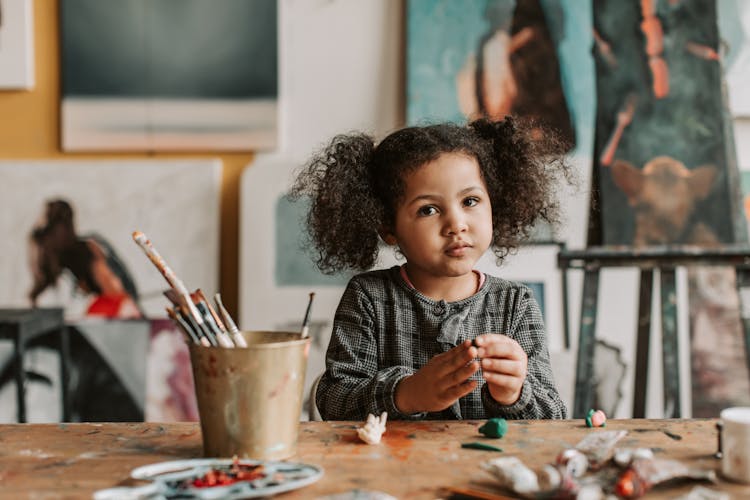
x=444, y=221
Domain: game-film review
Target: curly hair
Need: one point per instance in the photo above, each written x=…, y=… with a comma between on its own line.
x=354, y=185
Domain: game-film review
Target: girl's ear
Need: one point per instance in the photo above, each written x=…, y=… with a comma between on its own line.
x=387, y=236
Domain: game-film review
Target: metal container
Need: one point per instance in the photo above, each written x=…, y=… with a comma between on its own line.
x=250, y=398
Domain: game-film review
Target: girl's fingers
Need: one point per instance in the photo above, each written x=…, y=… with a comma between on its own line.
x=458, y=356
x=463, y=373
x=501, y=347
x=503, y=366
x=503, y=380
x=461, y=390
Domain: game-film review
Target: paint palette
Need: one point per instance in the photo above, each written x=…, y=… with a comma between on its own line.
x=213, y=478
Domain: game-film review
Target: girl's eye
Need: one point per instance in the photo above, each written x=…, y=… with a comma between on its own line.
x=426, y=211
x=471, y=201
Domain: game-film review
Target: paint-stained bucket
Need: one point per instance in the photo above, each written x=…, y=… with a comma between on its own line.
x=250, y=398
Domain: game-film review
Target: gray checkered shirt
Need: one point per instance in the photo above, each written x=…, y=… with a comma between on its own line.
x=384, y=330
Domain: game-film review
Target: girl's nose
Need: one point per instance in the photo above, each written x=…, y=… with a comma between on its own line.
x=455, y=223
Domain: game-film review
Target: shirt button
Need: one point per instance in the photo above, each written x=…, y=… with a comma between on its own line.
x=440, y=309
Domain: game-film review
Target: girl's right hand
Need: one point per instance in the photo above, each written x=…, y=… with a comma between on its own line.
x=439, y=383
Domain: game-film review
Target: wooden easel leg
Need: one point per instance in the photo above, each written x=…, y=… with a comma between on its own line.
x=585, y=362
x=743, y=289
x=643, y=343
x=670, y=352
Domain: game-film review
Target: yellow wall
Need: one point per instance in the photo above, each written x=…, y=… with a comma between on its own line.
x=29, y=128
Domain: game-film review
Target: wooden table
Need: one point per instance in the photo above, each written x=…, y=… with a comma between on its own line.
x=414, y=460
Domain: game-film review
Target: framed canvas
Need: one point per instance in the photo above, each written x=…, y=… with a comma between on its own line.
x=122, y=368
x=734, y=23
x=487, y=58
x=184, y=75
x=16, y=44
x=111, y=199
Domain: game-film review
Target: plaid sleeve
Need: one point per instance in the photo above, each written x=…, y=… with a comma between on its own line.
x=352, y=385
x=539, y=397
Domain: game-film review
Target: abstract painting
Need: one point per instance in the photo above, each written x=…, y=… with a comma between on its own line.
x=173, y=75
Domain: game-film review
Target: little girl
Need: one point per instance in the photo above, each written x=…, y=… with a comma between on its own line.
x=433, y=338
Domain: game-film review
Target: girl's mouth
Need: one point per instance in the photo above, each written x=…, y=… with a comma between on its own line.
x=457, y=250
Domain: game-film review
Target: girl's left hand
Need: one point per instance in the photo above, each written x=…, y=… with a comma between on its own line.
x=504, y=365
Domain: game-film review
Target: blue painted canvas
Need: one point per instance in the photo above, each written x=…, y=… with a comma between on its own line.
x=529, y=58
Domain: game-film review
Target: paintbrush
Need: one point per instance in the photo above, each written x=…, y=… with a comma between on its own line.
x=305, y=329
x=239, y=340
x=203, y=308
x=183, y=326
x=176, y=299
x=213, y=312
x=205, y=333
x=175, y=282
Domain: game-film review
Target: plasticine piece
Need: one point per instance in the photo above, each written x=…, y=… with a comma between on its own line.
x=373, y=429
x=494, y=428
x=480, y=446
x=596, y=418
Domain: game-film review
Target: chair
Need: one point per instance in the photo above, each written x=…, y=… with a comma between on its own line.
x=23, y=325
x=312, y=408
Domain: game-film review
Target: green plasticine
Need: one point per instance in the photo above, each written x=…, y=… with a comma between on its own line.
x=480, y=446
x=494, y=428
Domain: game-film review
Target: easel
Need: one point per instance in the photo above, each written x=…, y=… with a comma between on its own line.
x=664, y=259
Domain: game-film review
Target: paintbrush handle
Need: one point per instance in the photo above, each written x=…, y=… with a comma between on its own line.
x=159, y=262
x=305, y=329
x=168, y=274
x=183, y=325
x=239, y=340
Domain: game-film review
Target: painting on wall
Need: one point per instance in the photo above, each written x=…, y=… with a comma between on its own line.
x=183, y=75
x=487, y=58
x=526, y=58
x=666, y=166
x=661, y=126
x=68, y=243
x=16, y=44
x=734, y=23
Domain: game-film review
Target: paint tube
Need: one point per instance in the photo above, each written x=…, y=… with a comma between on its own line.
x=599, y=446
x=643, y=474
x=574, y=462
x=513, y=475
x=624, y=456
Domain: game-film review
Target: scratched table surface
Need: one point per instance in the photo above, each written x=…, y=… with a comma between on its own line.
x=414, y=459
